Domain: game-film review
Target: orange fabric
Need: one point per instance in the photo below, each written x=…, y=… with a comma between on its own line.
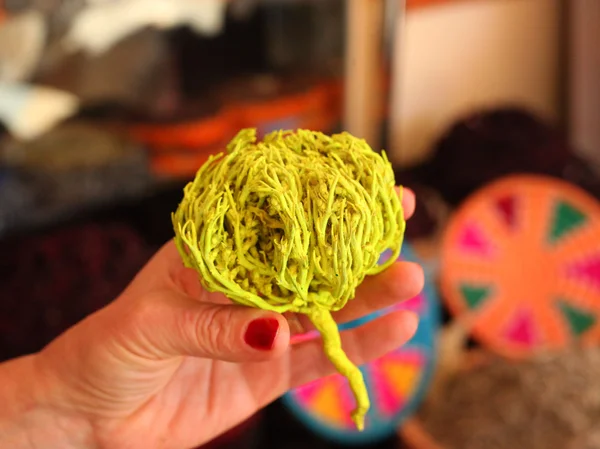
x=191, y=134
x=319, y=108
x=310, y=109
x=415, y=4
x=178, y=164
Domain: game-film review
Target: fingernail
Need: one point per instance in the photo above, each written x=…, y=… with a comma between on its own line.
x=261, y=333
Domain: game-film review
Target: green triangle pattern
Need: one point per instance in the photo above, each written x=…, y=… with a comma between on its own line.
x=566, y=218
x=579, y=320
x=475, y=295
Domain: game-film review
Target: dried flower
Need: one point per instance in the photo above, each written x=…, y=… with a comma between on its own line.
x=293, y=223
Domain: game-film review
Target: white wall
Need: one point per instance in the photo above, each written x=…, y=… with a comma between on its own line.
x=451, y=59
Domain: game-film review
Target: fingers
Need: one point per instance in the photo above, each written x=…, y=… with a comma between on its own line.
x=165, y=271
x=363, y=344
x=408, y=201
x=402, y=281
x=167, y=324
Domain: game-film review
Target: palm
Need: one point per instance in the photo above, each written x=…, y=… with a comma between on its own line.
x=204, y=398
x=183, y=402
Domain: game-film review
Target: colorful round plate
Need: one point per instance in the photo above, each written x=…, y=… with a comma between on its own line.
x=522, y=257
x=396, y=382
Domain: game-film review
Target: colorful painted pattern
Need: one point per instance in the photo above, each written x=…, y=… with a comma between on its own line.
x=523, y=256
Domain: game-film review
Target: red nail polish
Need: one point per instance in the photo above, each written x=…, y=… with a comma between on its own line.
x=261, y=333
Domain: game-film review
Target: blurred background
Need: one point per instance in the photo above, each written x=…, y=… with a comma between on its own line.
x=108, y=108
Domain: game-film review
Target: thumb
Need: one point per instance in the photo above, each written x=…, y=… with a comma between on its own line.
x=170, y=324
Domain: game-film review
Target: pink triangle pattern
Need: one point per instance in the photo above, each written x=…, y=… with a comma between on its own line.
x=306, y=395
x=587, y=269
x=472, y=240
x=385, y=394
x=414, y=304
x=521, y=329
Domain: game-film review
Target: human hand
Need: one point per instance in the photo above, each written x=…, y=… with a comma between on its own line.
x=169, y=365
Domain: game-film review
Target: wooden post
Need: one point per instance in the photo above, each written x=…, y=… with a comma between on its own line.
x=395, y=97
x=363, y=99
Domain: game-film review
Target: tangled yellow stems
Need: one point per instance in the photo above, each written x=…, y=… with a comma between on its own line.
x=293, y=224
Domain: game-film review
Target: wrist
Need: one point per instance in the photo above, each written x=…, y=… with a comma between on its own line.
x=28, y=417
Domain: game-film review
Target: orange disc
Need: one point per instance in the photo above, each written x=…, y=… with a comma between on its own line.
x=522, y=257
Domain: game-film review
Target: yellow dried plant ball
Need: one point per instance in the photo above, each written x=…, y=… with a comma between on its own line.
x=293, y=223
